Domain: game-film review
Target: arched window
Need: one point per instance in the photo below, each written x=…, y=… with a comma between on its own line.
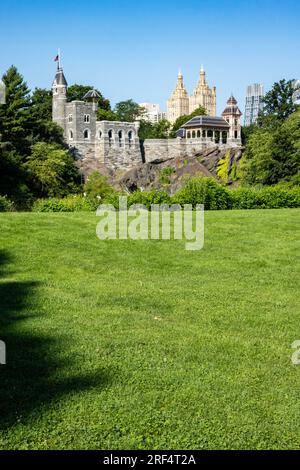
x=193, y=134
x=86, y=134
x=188, y=135
x=210, y=133
x=235, y=134
x=120, y=137
x=199, y=133
x=110, y=137
x=71, y=135
x=87, y=118
x=100, y=135
x=130, y=137
x=70, y=117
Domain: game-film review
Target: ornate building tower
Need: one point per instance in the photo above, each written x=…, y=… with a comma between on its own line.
x=59, y=100
x=203, y=96
x=178, y=104
x=232, y=115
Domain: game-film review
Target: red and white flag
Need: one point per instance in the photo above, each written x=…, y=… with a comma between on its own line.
x=56, y=59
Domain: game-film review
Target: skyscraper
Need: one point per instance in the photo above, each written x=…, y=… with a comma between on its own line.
x=254, y=104
x=296, y=97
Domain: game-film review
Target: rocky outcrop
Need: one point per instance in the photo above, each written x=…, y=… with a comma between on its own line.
x=170, y=174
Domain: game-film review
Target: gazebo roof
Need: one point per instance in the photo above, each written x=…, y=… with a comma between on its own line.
x=206, y=121
x=91, y=94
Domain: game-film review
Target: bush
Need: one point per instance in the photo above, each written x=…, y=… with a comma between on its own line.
x=97, y=188
x=165, y=173
x=6, y=205
x=202, y=190
x=67, y=204
x=272, y=197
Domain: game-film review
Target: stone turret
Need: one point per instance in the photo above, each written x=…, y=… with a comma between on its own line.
x=59, y=100
x=178, y=104
x=92, y=96
x=232, y=115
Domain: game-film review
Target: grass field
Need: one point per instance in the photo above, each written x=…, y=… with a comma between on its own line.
x=143, y=345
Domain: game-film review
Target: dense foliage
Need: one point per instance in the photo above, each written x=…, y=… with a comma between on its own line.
x=272, y=150
x=33, y=159
x=196, y=191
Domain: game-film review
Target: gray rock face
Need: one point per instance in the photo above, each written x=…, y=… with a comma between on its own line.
x=170, y=174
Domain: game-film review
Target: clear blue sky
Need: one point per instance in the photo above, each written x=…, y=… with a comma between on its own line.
x=133, y=49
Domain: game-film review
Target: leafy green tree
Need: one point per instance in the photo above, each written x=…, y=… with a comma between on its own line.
x=278, y=103
x=128, y=111
x=41, y=104
x=40, y=127
x=247, y=131
x=158, y=130
x=97, y=187
x=273, y=155
x=77, y=92
x=52, y=170
x=185, y=118
x=14, y=114
x=13, y=181
x=106, y=115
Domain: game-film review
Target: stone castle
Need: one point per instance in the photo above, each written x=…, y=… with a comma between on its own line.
x=117, y=145
x=180, y=103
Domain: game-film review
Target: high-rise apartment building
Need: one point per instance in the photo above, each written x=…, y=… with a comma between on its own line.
x=254, y=103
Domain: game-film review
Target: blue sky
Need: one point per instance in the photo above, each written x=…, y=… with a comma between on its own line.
x=133, y=49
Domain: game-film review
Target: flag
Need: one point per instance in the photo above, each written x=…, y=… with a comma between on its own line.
x=56, y=58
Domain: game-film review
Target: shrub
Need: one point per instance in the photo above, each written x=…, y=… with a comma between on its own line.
x=271, y=197
x=165, y=173
x=67, y=204
x=148, y=198
x=223, y=168
x=97, y=188
x=202, y=190
x=6, y=205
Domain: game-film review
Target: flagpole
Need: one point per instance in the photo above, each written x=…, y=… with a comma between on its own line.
x=59, y=63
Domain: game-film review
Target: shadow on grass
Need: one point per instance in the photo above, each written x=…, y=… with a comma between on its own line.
x=32, y=378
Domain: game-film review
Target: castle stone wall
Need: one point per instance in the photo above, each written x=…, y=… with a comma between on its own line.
x=163, y=149
x=117, y=144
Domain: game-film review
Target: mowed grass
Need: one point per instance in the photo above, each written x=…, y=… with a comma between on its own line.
x=143, y=345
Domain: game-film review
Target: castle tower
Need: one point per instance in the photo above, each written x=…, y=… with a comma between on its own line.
x=203, y=96
x=232, y=115
x=178, y=104
x=59, y=98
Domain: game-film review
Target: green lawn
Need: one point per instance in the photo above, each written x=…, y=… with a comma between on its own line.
x=141, y=344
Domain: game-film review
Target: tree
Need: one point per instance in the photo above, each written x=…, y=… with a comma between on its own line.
x=128, y=111
x=77, y=92
x=52, y=170
x=106, y=115
x=40, y=127
x=278, y=103
x=247, y=131
x=273, y=155
x=97, y=187
x=13, y=181
x=14, y=114
x=185, y=118
x=41, y=104
x=158, y=130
